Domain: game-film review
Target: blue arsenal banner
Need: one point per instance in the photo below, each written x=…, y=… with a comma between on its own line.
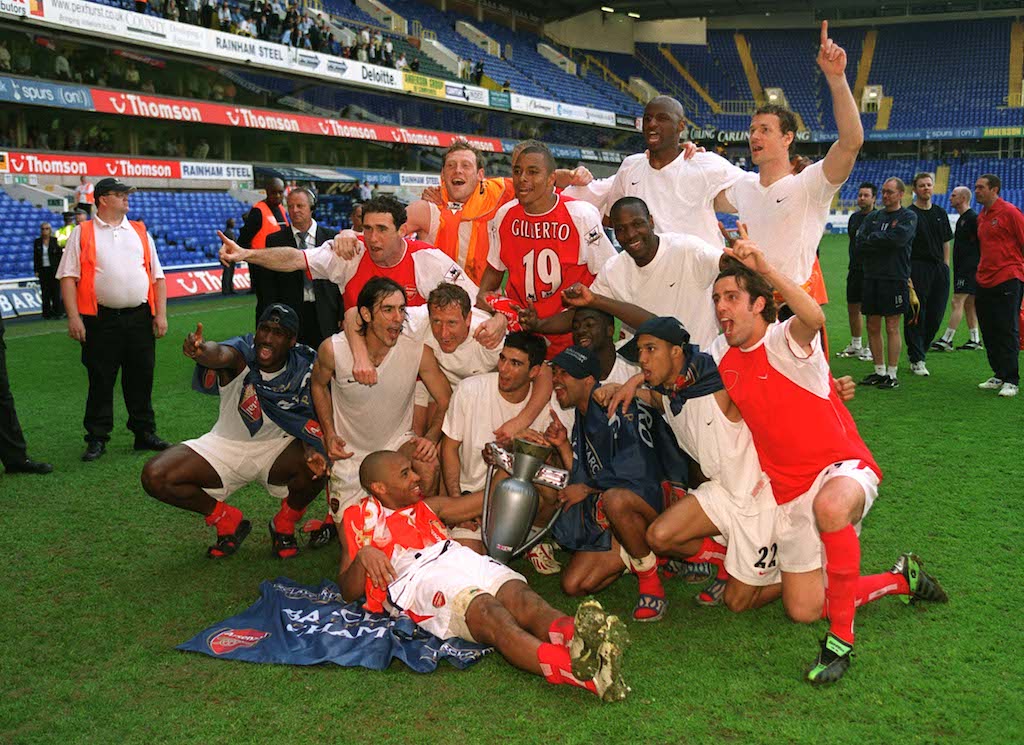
x=293, y=624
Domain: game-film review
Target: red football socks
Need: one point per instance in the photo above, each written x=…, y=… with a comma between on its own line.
x=711, y=551
x=842, y=569
x=556, y=667
x=225, y=517
x=871, y=587
x=285, y=519
x=562, y=630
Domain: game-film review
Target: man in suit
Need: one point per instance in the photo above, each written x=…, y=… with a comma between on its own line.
x=46, y=253
x=317, y=301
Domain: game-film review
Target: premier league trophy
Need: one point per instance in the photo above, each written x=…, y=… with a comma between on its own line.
x=510, y=511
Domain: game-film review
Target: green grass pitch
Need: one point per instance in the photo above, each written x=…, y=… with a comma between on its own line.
x=103, y=582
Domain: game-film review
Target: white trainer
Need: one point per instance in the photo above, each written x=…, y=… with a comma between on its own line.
x=992, y=384
x=918, y=368
x=864, y=355
x=1009, y=390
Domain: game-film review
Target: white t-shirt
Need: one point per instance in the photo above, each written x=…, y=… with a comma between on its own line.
x=787, y=219
x=680, y=196
x=676, y=283
x=230, y=425
x=724, y=449
x=431, y=267
x=477, y=409
x=621, y=371
x=366, y=417
x=121, y=280
x=469, y=358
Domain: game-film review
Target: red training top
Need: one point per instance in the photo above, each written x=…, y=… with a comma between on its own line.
x=1001, y=236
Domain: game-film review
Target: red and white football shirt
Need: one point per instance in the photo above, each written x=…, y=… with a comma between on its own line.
x=547, y=253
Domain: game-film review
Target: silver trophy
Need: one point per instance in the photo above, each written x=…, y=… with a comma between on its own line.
x=510, y=511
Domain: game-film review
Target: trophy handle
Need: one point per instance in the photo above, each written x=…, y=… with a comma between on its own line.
x=530, y=543
x=487, y=508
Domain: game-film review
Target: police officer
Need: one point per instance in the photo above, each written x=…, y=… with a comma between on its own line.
x=116, y=302
x=264, y=219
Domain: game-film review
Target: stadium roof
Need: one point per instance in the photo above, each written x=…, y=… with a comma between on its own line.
x=659, y=9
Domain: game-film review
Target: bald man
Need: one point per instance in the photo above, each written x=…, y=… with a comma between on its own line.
x=400, y=556
x=677, y=189
x=264, y=219
x=966, y=254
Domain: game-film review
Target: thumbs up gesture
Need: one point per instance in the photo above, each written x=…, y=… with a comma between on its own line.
x=193, y=346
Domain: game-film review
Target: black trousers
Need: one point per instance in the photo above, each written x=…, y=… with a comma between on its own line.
x=227, y=280
x=12, y=440
x=931, y=283
x=999, y=320
x=309, y=325
x=119, y=340
x=49, y=288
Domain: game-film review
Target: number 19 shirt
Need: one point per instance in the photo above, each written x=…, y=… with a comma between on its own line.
x=547, y=253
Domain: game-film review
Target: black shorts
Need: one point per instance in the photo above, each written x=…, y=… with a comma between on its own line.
x=885, y=297
x=854, y=285
x=965, y=284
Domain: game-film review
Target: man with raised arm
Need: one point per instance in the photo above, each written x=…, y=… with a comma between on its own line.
x=267, y=432
x=823, y=476
x=786, y=209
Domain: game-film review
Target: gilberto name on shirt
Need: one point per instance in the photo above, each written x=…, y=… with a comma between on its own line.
x=541, y=229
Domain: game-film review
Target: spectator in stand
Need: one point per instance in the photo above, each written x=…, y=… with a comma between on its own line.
x=401, y=63
x=84, y=195
x=361, y=54
x=22, y=59
x=227, y=276
x=202, y=150
x=147, y=86
x=13, y=451
x=506, y=87
x=46, y=253
x=224, y=17
x=140, y=6
x=193, y=12
x=1000, y=281
x=171, y=12
x=389, y=53
x=286, y=37
x=5, y=57
x=333, y=47
x=478, y=72
x=364, y=37
x=365, y=192
x=132, y=79
x=315, y=37
x=206, y=14
x=62, y=68
x=415, y=64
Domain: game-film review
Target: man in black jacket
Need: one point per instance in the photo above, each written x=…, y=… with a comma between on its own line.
x=317, y=301
x=884, y=243
x=46, y=253
x=929, y=271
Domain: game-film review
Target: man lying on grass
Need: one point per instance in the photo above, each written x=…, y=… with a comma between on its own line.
x=400, y=556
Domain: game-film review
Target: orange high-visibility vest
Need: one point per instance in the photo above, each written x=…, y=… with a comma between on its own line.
x=269, y=227
x=87, y=303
